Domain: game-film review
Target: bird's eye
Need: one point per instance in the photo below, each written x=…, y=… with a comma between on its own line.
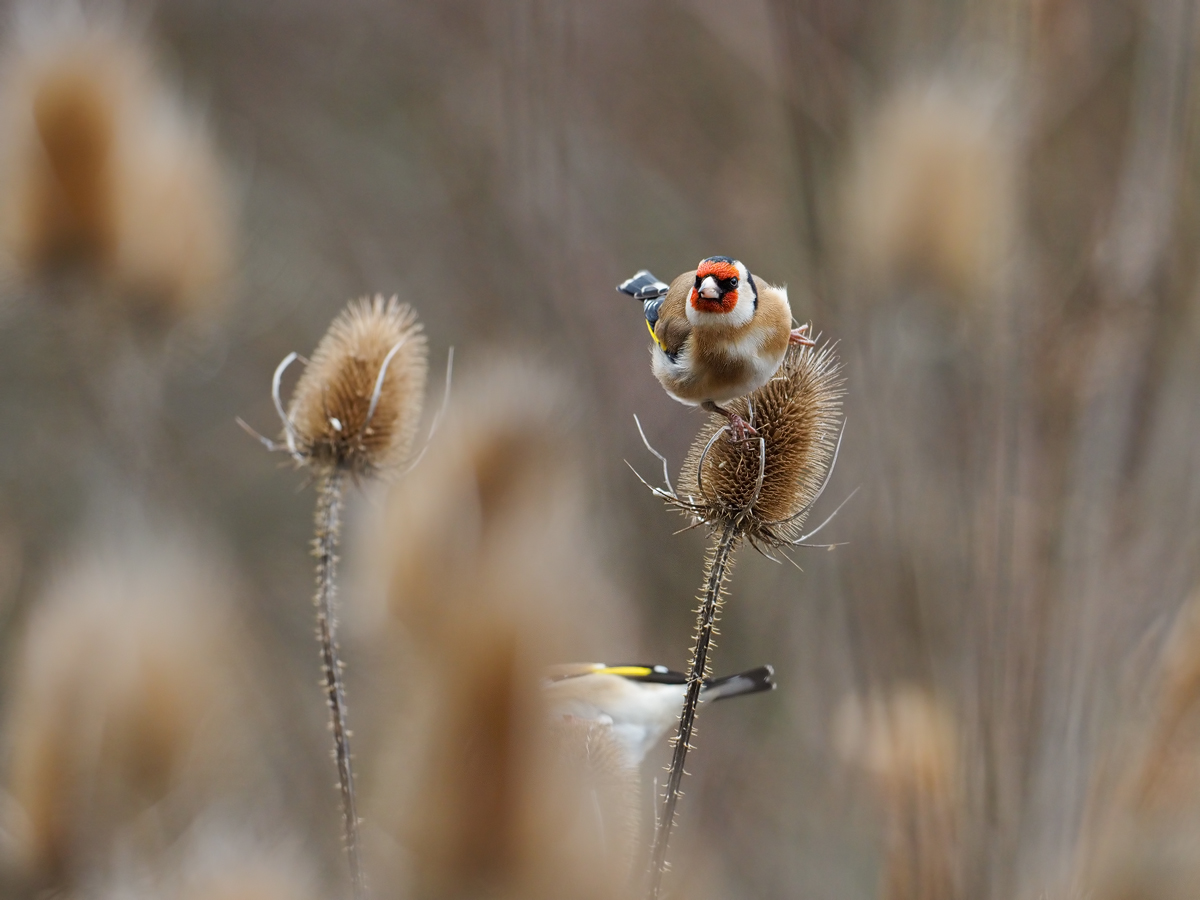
x=698, y=282
x=733, y=282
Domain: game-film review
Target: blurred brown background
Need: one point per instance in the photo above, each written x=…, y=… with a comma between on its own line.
x=991, y=205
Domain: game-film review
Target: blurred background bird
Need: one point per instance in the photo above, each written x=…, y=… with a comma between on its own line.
x=719, y=333
x=639, y=702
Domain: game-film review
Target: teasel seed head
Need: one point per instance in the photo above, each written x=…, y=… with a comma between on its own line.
x=357, y=406
x=124, y=698
x=104, y=171
x=765, y=486
x=493, y=569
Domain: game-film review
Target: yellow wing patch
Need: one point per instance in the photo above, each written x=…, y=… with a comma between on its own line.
x=627, y=671
x=654, y=337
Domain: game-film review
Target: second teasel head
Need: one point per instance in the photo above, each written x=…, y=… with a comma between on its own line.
x=765, y=489
x=358, y=403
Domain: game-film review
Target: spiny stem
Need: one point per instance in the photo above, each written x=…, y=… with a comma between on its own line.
x=325, y=546
x=706, y=619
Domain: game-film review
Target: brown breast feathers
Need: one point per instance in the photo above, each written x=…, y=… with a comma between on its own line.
x=673, y=326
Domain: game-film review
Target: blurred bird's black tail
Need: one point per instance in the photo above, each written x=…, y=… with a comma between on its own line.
x=750, y=682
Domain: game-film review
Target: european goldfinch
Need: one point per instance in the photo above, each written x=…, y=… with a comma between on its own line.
x=639, y=702
x=719, y=333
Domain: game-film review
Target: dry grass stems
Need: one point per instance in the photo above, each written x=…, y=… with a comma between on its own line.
x=931, y=199
x=908, y=743
x=492, y=569
x=1168, y=772
x=104, y=173
x=124, y=709
x=761, y=490
x=354, y=414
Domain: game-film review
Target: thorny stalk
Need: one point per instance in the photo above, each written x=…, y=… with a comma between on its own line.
x=325, y=546
x=706, y=619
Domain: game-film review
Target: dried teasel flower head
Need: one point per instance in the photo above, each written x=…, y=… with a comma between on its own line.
x=931, y=198
x=104, y=172
x=123, y=699
x=357, y=406
x=907, y=741
x=492, y=569
x=765, y=486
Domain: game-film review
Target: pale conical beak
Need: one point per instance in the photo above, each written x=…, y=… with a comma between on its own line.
x=709, y=289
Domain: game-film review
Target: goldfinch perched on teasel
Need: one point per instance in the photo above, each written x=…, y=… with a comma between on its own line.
x=639, y=702
x=719, y=333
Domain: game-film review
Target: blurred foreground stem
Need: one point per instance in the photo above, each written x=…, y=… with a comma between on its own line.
x=328, y=529
x=718, y=568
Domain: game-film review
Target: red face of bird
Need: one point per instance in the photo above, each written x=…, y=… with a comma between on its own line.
x=723, y=293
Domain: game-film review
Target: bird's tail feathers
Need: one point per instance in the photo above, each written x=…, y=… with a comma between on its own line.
x=643, y=286
x=749, y=682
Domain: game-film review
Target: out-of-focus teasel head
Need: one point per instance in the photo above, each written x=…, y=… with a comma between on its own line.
x=907, y=741
x=765, y=486
x=492, y=570
x=125, y=697
x=105, y=173
x=904, y=738
x=357, y=406
x=930, y=200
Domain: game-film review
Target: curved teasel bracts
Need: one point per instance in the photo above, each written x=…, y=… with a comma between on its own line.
x=353, y=414
x=765, y=487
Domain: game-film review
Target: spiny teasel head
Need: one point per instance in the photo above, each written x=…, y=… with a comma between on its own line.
x=764, y=487
x=104, y=172
x=358, y=403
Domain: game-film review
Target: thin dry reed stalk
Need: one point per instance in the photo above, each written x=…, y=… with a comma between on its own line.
x=718, y=565
x=328, y=522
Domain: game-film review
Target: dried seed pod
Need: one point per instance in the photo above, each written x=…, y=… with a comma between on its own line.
x=492, y=569
x=124, y=699
x=357, y=405
x=764, y=487
x=104, y=172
